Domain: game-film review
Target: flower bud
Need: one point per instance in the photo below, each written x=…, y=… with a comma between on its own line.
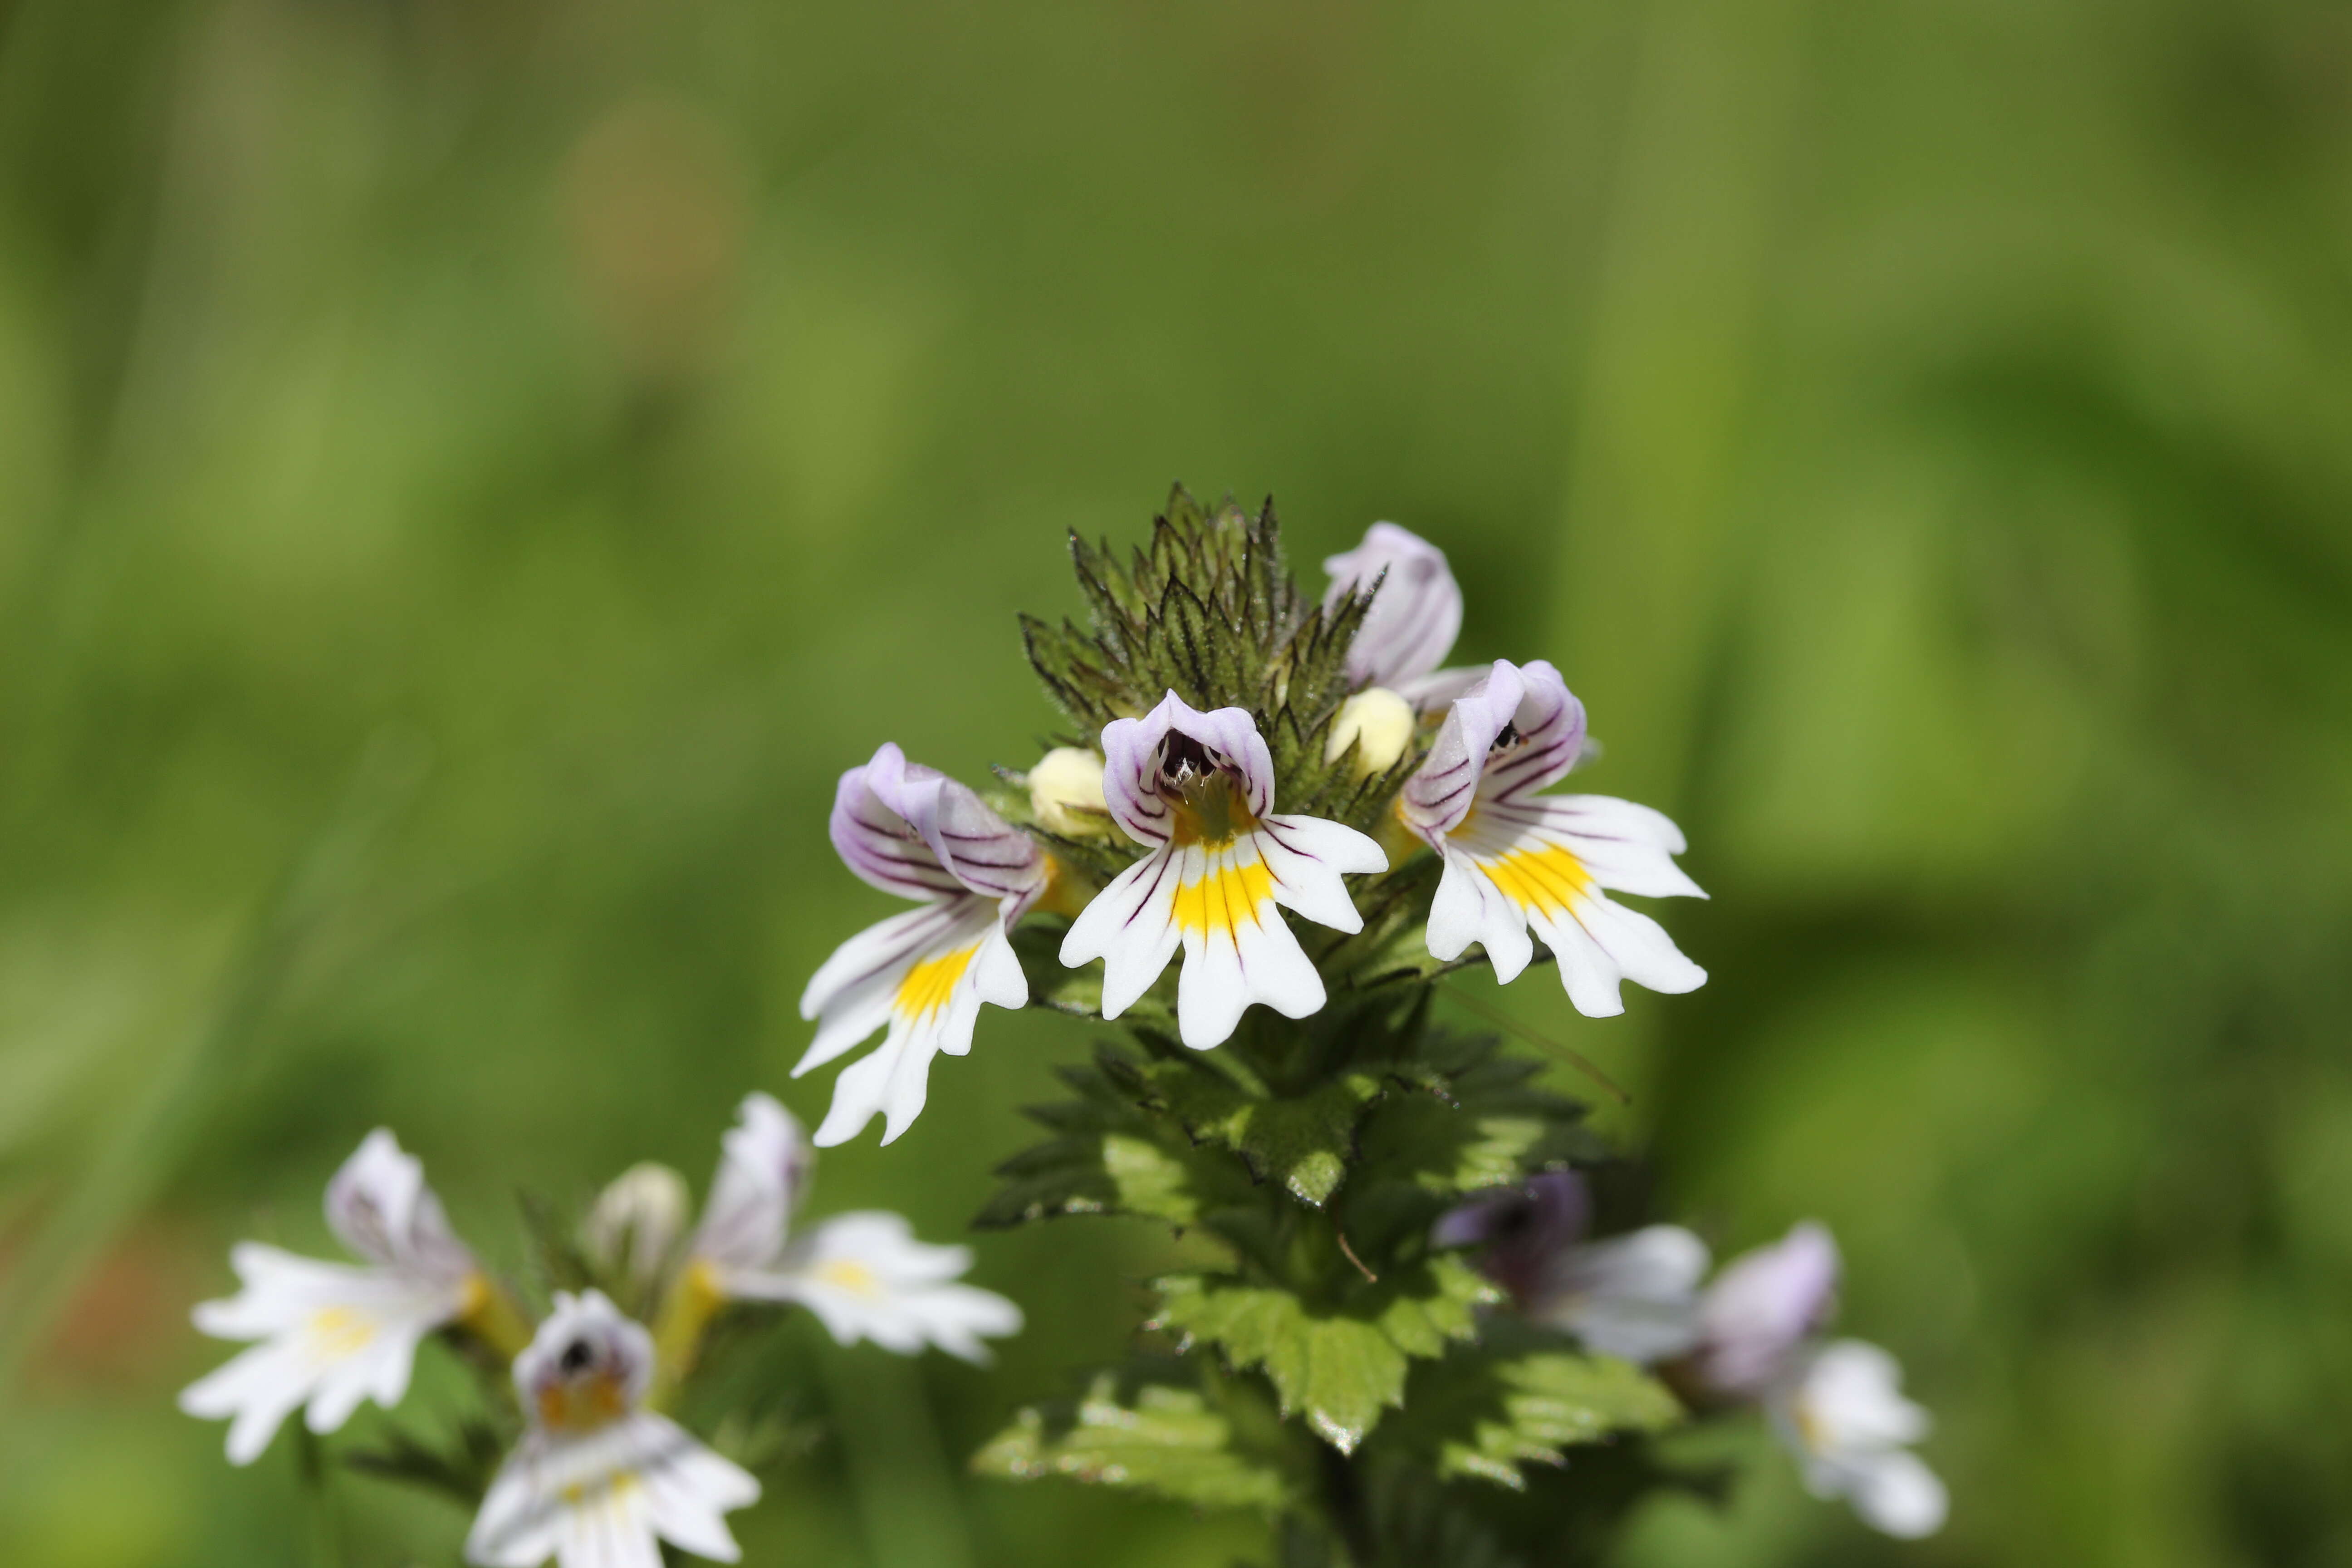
x=1379, y=722
x=1066, y=791
x=637, y=1223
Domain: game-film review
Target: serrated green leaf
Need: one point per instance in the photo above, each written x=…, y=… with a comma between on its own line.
x=1302, y=1142
x=1159, y=1439
x=1542, y=1403
x=1149, y=1180
x=1339, y=1370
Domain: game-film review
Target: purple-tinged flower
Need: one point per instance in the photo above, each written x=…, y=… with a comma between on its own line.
x=1197, y=790
x=333, y=1334
x=598, y=1480
x=1763, y=1308
x=1634, y=1296
x=1415, y=613
x=913, y=831
x=1843, y=1414
x=1516, y=860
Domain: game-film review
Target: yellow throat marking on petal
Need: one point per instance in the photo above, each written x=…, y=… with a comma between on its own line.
x=930, y=984
x=583, y=1405
x=339, y=1331
x=1219, y=903
x=1543, y=876
x=848, y=1274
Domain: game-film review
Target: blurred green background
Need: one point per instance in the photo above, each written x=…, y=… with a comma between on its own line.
x=472, y=472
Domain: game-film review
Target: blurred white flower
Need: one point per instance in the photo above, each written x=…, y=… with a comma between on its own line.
x=1634, y=1297
x=863, y=1274
x=598, y=1481
x=333, y=1334
x=1841, y=1412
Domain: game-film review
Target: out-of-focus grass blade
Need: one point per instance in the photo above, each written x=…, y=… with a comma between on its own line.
x=135, y=1153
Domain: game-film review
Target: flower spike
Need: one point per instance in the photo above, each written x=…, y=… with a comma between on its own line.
x=332, y=1334
x=599, y=1481
x=1516, y=860
x=923, y=975
x=863, y=1274
x=1413, y=619
x=1197, y=790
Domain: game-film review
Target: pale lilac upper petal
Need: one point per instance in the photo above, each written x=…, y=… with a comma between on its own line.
x=1131, y=752
x=380, y=1206
x=1415, y=614
x=979, y=848
x=1445, y=786
x=1549, y=721
x=911, y=830
x=764, y=1165
x=1764, y=1306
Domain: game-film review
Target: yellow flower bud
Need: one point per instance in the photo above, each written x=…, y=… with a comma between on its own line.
x=1380, y=724
x=1066, y=791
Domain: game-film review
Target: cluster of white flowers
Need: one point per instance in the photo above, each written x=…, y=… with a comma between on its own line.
x=1753, y=1335
x=599, y=1477
x=1196, y=791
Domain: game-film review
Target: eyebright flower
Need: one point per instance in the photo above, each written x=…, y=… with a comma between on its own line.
x=1634, y=1297
x=864, y=1274
x=1763, y=1308
x=598, y=1481
x=912, y=831
x=1514, y=860
x=1197, y=790
x=1413, y=619
x=1843, y=1414
x=332, y=1334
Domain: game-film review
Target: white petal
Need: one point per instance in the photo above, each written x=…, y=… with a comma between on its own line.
x=689, y=1489
x=864, y=972
x=1308, y=856
x=1469, y=908
x=866, y=1277
x=1587, y=972
x=258, y=1389
x=1618, y=843
x=1852, y=1394
x=1896, y=1493
x=1640, y=945
x=1237, y=950
x=1635, y=1297
x=1131, y=926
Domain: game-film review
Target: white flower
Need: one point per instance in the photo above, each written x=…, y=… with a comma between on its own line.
x=1197, y=789
x=1763, y=1308
x=913, y=831
x=1379, y=724
x=864, y=1274
x=1516, y=860
x=598, y=1481
x=1065, y=791
x=1415, y=614
x=1634, y=1297
x=1843, y=1414
x=637, y=1222
x=333, y=1334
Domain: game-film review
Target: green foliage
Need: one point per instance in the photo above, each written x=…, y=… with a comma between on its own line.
x=1207, y=609
x=1154, y=1436
x=1339, y=1367
x=1487, y=1414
